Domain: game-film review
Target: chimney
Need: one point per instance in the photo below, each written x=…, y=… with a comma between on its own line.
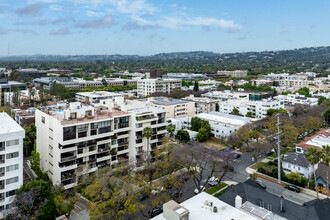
x=238, y=202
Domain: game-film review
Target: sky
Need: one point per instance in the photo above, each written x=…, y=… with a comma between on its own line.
x=146, y=27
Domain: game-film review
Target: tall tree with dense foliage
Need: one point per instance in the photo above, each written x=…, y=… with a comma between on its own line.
x=170, y=129
x=313, y=156
x=183, y=135
x=321, y=99
x=29, y=140
x=196, y=86
x=326, y=161
x=147, y=133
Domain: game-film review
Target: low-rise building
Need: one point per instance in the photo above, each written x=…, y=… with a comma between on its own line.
x=78, y=139
x=296, y=162
x=322, y=176
x=293, y=99
x=202, y=206
x=147, y=87
x=96, y=96
x=31, y=72
x=318, y=140
x=11, y=161
x=235, y=73
x=258, y=109
x=185, y=76
x=25, y=117
x=175, y=108
x=7, y=85
x=226, y=95
x=202, y=104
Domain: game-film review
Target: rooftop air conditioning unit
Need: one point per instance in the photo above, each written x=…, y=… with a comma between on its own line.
x=215, y=209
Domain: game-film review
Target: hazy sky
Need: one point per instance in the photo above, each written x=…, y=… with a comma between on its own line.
x=147, y=27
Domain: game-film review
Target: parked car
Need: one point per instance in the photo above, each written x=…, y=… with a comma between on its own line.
x=236, y=156
x=261, y=184
x=143, y=196
x=196, y=191
x=155, y=211
x=292, y=188
x=269, y=153
x=176, y=194
x=213, y=181
x=157, y=190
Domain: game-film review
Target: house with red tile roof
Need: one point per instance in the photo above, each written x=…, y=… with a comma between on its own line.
x=318, y=140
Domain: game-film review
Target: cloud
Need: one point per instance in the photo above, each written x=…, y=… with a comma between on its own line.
x=3, y=31
x=230, y=25
x=64, y=20
x=93, y=14
x=241, y=38
x=135, y=26
x=61, y=31
x=105, y=22
x=24, y=31
x=33, y=9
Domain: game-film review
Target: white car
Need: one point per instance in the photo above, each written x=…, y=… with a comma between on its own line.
x=213, y=181
x=196, y=191
x=157, y=190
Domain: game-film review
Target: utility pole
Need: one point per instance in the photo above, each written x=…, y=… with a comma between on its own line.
x=278, y=149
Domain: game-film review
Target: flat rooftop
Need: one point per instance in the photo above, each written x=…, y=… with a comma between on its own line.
x=98, y=94
x=8, y=124
x=167, y=101
x=199, y=210
x=225, y=118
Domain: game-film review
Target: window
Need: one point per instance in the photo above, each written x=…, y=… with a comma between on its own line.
x=69, y=133
x=11, y=193
x=43, y=119
x=2, y=146
x=12, y=143
x=12, y=180
x=12, y=168
x=289, y=166
x=12, y=155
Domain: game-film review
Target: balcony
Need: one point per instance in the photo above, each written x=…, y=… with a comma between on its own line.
x=65, y=159
x=100, y=150
x=122, y=143
x=146, y=117
x=68, y=176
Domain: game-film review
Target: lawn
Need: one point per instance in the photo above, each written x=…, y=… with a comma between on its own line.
x=212, y=143
x=220, y=193
x=216, y=188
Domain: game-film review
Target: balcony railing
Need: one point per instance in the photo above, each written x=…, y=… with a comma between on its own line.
x=122, y=143
x=64, y=159
x=103, y=149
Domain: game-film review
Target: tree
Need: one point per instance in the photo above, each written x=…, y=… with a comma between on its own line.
x=235, y=111
x=29, y=140
x=202, y=134
x=326, y=116
x=217, y=108
x=170, y=129
x=249, y=114
x=321, y=99
x=326, y=161
x=16, y=96
x=147, y=133
x=271, y=111
x=202, y=163
x=58, y=90
x=195, y=123
x=32, y=94
x=35, y=161
x=196, y=86
x=183, y=135
x=313, y=156
x=304, y=91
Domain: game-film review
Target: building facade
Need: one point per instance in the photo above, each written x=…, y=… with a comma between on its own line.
x=235, y=73
x=78, y=140
x=11, y=160
x=202, y=104
x=147, y=87
x=96, y=96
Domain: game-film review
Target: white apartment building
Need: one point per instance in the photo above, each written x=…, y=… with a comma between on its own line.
x=96, y=96
x=11, y=160
x=293, y=99
x=175, y=108
x=257, y=108
x=79, y=139
x=149, y=86
x=226, y=95
x=202, y=104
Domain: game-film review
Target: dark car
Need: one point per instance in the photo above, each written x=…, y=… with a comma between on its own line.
x=292, y=188
x=143, y=196
x=269, y=153
x=155, y=211
x=176, y=194
x=235, y=156
x=261, y=184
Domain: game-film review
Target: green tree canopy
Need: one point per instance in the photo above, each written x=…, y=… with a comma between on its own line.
x=183, y=135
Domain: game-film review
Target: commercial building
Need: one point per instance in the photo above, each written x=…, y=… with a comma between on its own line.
x=11, y=160
x=33, y=73
x=147, y=87
x=293, y=99
x=258, y=109
x=48, y=82
x=251, y=198
x=226, y=95
x=202, y=206
x=7, y=85
x=175, y=108
x=202, y=104
x=76, y=140
x=96, y=96
x=186, y=76
x=235, y=73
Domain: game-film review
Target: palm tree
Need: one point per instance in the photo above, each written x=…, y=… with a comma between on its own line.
x=147, y=132
x=170, y=129
x=313, y=156
x=32, y=93
x=326, y=161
